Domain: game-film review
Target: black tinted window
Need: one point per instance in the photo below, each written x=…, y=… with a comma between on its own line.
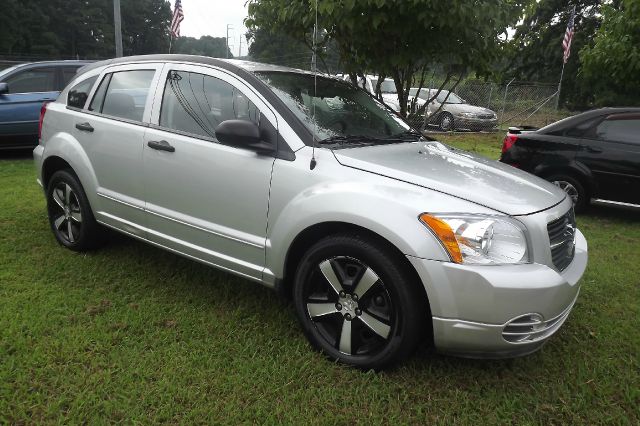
x=581, y=128
x=126, y=94
x=36, y=80
x=79, y=93
x=197, y=104
x=620, y=128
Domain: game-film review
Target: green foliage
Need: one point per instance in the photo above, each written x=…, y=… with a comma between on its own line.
x=611, y=66
x=393, y=38
x=132, y=334
x=84, y=28
x=214, y=47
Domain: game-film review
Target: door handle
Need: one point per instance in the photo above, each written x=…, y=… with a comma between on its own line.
x=594, y=149
x=161, y=146
x=85, y=127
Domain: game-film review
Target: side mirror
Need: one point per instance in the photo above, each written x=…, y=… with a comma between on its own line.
x=4, y=88
x=243, y=134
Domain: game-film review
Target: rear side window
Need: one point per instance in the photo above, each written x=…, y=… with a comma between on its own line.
x=35, y=80
x=197, y=104
x=79, y=93
x=620, y=128
x=123, y=94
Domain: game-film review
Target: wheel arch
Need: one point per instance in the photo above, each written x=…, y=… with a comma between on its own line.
x=310, y=235
x=574, y=169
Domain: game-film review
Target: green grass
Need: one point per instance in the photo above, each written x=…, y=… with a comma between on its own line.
x=131, y=333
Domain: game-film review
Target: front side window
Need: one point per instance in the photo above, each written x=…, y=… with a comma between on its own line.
x=331, y=108
x=197, y=103
x=79, y=93
x=123, y=94
x=620, y=128
x=35, y=80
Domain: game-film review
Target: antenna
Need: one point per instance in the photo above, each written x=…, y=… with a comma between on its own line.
x=314, y=68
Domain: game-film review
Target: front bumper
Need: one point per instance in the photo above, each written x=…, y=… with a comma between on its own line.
x=472, y=306
x=474, y=124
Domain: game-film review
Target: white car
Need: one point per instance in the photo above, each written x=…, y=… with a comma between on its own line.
x=308, y=185
x=388, y=89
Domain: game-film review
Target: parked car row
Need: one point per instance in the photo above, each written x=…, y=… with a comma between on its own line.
x=23, y=90
x=306, y=184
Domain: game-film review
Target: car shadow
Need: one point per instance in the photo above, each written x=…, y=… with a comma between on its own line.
x=628, y=214
x=16, y=154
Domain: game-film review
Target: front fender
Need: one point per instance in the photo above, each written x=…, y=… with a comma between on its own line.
x=335, y=193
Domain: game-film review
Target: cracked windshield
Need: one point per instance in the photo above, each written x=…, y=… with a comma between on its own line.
x=342, y=112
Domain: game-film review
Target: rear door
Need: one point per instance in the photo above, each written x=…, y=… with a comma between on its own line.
x=20, y=108
x=111, y=132
x=203, y=198
x=611, y=149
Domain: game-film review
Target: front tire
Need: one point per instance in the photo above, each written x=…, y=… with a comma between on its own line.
x=574, y=189
x=70, y=215
x=357, y=303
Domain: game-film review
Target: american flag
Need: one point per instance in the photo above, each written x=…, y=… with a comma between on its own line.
x=178, y=16
x=568, y=36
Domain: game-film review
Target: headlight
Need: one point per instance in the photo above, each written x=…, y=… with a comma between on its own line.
x=479, y=239
x=468, y=114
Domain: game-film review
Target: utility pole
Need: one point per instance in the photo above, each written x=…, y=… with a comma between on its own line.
x=226, y=54
x=118, y=27
x=240, y=47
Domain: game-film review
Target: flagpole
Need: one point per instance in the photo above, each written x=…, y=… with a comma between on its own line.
x=560, y=85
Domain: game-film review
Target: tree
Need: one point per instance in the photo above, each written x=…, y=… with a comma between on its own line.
x=205, y=46
x=611, y=65
x=535, y=52
x=392, y=38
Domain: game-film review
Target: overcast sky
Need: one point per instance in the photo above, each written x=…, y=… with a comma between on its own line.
x=210, y=17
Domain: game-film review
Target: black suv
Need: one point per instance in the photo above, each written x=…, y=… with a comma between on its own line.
x=593, y=156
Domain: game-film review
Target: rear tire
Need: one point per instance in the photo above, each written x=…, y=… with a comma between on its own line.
x=70, y=215
x=574, y=189
x=446, y=122
x=357, y=303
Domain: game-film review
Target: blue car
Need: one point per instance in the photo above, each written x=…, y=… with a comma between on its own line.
x=23, y=90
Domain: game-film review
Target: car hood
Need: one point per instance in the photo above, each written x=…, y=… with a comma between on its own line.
x=458, y=173
x=459, y=108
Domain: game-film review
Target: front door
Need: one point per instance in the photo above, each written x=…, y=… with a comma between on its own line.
x=20, y=108
x=204, y=199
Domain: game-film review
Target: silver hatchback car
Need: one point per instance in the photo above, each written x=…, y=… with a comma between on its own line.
x=308, y=185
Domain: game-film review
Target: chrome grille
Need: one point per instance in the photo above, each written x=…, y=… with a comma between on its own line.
x=562, y=233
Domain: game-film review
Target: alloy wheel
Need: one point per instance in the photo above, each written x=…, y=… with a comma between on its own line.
x=350, y=306
x=66, y=212
x=568, y=188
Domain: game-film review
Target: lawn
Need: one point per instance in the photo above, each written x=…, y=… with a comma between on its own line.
x=131, y=333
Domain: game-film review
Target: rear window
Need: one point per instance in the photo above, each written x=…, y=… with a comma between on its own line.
x=79, y=93
x=123, y=94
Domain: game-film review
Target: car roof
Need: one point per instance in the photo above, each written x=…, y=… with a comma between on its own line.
x=52, y=63
x=579, y=118
x=229, y=64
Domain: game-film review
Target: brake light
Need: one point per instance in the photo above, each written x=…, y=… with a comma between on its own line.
x=508, y=142
x=43, y=110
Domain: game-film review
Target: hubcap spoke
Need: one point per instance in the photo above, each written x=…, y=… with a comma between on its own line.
x=70, y=231
x=57, y=199
x=330, y=275
x=377, y=326
x=67, y=194
x=77, y=216
x=320, y=309
x=59, y=221
x=369, y=278
x=345, y=338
